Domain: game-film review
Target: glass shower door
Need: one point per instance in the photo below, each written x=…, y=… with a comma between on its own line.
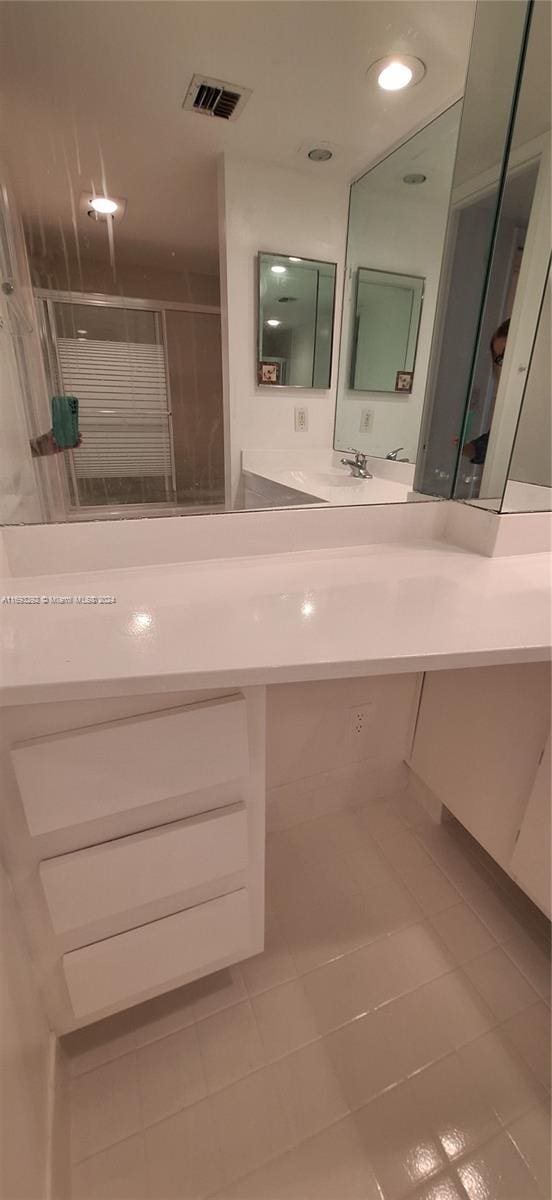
x=113, y=359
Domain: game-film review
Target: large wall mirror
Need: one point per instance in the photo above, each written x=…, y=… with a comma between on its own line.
x=487, y=424
x=130, y=279
x=296, y=310
x=397, y=222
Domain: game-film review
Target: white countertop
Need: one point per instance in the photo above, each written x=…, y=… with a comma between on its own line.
x=318, y=614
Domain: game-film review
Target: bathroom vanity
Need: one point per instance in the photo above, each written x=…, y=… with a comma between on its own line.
x=134, y=734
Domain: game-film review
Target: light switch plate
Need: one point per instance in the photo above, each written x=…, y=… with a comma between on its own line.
x=301, y=420
x=366, y=420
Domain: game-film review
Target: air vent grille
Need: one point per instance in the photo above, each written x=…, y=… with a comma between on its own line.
x=215, y=98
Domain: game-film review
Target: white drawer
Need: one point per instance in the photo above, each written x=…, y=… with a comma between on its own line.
x=101, y=881
x=91, y=773
x=120, y=968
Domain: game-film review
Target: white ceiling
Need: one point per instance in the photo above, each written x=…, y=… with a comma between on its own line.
x=94, y=91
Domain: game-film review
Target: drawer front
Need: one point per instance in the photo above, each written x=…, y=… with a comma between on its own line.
x=115, y=877
x=91, y=773
x=120, y=968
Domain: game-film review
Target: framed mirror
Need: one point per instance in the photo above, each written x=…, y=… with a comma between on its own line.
x=387, y=323
x=296, y=303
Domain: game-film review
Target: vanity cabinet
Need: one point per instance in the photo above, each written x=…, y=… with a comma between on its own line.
x=480, y=746
x=135, y=835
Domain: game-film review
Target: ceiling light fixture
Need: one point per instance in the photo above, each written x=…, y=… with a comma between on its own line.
x=278, y=270
x=272, y=321
x=397, y=71
x=103, y=205
x=318, y=154
x=292, y=259
x=414, y=178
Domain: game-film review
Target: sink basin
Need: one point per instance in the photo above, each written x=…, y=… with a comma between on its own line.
x=336, y=479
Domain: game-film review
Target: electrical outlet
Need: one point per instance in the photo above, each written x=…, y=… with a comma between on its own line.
x=366, y=420
x=301, y=420
x=361, y=734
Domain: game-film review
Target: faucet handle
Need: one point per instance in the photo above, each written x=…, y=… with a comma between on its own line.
x=360, y=458
x=393, y=454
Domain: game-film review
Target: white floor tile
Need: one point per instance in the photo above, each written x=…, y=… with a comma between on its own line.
x=230, y=1045
x=333, y=1165
x=183, y=1157
x=432, y=890
x=118, y=1173
x=502, y=986
x=105, y=1107
x=532, y=958
x=498, y=1073
x=462, y=932
x=531, y=1135
x=497, y=1171
x=309, y=1091
x=285, y=1019
x=100, y=1043
x=250, y=1124
x=530, y=1032
x=171, y=1075
x=274, y=966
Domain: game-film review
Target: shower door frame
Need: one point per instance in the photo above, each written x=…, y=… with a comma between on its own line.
x=47, y=298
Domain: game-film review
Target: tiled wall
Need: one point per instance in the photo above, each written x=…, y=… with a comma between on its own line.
x=317, y=760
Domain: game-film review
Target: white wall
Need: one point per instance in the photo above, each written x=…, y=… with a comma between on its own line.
x=287, y=212
x=24, y=1057
x=392, y=234
x=317, y=762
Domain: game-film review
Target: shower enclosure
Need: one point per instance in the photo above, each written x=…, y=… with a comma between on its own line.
x=147, y=376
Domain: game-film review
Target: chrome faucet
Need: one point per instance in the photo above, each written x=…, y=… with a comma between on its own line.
x=358, y=465
x=393, y=455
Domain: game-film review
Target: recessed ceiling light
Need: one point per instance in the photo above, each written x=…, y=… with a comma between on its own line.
x=272, y=321
x=292, y=259
x=397, y=71
x=103, y=205
x=414, y=178
x=82, y=331
x=278, y=270
x=318, y=154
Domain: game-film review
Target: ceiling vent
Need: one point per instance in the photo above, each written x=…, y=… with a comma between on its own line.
x=214, y=98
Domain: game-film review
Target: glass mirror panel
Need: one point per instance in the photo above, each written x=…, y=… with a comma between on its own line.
x=296, y=308
x=529, y=485
x=387, y=320
x=486, y=254
x=397, y=220
x=513, y=306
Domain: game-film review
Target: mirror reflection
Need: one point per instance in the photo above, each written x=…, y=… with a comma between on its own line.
x=387, y=320
x=397, y=221
x=296, y=307
x=495, y=269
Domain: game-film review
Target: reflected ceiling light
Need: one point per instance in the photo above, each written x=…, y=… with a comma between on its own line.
x=273, y=321
x=103, y=205
x=82, y=331
x=278, y=270
x=397, y=71
x=292, y=259
x=319, y=154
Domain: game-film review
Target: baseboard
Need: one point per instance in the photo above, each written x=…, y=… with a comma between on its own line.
x=58, y=1157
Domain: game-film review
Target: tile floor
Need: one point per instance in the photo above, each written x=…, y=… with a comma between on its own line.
x=390, y=1042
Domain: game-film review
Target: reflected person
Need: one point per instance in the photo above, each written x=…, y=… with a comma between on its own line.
x=476, y=450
